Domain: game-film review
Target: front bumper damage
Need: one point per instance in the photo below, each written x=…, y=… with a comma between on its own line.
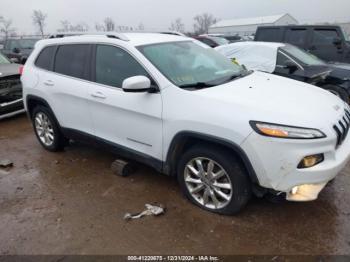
x=11, y=101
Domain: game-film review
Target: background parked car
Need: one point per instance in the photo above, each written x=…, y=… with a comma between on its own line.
x=18, y=49
x=11, y=101
x=292, y=62
x=212, y=41
x=329, y=42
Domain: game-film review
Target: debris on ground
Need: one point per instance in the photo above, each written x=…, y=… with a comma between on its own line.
x=151, y=210
x=6, y=163
x=123, y=168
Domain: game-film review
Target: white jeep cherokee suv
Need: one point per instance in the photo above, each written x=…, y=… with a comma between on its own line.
x=187, y=111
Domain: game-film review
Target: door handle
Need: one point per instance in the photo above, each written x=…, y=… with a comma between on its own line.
x=49, y=83
x=98, y=95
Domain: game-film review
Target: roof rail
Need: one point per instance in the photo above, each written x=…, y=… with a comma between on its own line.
x=115, y=35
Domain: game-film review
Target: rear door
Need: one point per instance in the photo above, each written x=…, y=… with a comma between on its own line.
x=68, y=87
x=297, y=36
x=127, y=120
x=322, y=44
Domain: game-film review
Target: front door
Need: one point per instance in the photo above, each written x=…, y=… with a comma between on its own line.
x=322, y=45
x=130, y=120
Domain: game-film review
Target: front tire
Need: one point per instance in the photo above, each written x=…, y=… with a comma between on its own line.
x=47, y=130
x=213, y=179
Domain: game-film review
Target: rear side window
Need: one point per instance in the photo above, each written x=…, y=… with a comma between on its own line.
x=324, y=37
x=269, y=35
x=114, y=65
x=71, y=60
x=44, y=59
x=296, y=36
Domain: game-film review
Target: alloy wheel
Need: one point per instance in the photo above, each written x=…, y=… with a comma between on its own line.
x=208, y=183
x=44, y=129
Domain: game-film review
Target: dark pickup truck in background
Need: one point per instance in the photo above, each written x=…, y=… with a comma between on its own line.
x=18, y=49
x=328, y=42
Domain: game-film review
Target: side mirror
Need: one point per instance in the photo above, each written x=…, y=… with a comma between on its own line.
x=291, y=66
x=14, y=60
x=16, y=50
x=137, y=84
x=337, y=41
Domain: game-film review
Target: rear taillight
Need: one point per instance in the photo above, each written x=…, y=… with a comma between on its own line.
x=21, y=70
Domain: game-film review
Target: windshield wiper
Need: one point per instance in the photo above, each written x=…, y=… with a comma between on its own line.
x=198, y=85
x=235, y=76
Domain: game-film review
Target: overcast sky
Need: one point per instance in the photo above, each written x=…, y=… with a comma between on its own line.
x=158, y=14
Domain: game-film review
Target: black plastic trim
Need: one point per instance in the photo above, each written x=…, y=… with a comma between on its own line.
x=183, y=135
x=114, y=148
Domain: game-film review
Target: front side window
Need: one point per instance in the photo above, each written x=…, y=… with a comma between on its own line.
x=281, y=59
x=44, y=59
x=114, y=65
x=302, y=56
x=71, y=60
x=186, y=63
x=324, y=37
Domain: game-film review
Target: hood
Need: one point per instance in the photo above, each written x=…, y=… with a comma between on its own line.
x=26, y=51
x=316, y=71
x=9, y=69
x=270, y=98
x=340, y=70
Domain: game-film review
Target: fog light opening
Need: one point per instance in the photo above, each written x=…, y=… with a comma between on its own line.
x=310, y=161
x=294, y=190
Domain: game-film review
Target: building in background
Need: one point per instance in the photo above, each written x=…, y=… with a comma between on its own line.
x=248, y=26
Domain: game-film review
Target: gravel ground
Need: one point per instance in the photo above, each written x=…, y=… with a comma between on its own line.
x=71, y=203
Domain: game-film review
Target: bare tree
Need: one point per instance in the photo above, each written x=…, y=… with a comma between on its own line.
x=177, y=26
x=99, y=27
x=109, y=24
x=141, y=27
x=6, y=27
x=65, y=26
x=79, y=27
x=39, y=20
x=203, y=22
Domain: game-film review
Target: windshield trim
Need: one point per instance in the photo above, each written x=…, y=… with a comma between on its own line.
x=292, y=58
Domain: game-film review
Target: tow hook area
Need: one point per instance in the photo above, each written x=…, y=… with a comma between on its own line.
x=305, y=192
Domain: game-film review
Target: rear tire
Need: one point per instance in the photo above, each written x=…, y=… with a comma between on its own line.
x=338, y=91
x=47, y=129
x=213, y=179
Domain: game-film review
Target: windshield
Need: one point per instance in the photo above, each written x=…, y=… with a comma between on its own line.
x=23, y=43
x=3, y=59
x=186, y=63
x=221, y=40
x=302, y=56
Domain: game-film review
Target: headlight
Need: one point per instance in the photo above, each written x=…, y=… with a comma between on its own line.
x=282, y=131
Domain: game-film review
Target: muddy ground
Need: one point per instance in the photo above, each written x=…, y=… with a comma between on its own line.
x=71, y=203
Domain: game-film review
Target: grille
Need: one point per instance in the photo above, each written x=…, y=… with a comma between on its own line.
x=342, y=128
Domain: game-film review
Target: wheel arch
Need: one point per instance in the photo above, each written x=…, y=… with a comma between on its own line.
x=33, y=101
x=185, y=139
